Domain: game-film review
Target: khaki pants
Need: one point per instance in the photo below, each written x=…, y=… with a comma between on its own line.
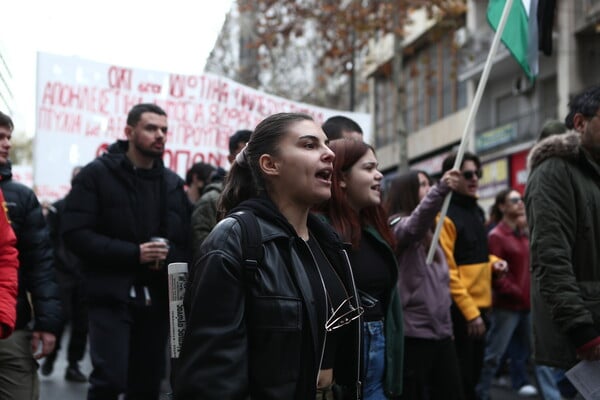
x=18, y=368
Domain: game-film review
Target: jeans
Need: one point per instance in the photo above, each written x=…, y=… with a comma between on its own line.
x=505, y=325
x=373, y=360
x=547, y=383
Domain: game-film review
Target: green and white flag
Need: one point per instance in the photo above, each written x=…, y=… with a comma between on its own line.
x=520, y=35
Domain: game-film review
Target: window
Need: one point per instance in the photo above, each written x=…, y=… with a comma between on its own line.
x=432, y=83
x=384, y=111
x=409, y=103
x=507, y=109
x=432, y=90
x=549, y=98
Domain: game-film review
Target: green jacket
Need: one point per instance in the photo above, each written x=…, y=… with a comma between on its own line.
x=394, y=329
x=563, y=211
x=204, y=217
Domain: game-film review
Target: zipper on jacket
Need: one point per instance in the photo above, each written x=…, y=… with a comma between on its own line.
x=359, y=324
x=326, y=310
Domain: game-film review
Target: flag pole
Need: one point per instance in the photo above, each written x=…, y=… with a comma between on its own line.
x=472, y=112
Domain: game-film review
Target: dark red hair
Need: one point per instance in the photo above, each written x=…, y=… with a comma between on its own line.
x=343, y=218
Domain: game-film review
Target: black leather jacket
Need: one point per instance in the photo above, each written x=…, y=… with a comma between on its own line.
x=262, y=339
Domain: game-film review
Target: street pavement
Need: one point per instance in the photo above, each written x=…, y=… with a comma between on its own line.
x=504, y=393
x=55, y=387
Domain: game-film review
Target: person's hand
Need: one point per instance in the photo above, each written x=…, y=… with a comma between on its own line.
x=153, y=251
x=500, y=268
x=476, y=327
x=451, y=178
x=48, y=341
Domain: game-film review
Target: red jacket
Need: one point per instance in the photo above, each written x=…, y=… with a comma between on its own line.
x=9, y=263
x=511, y=292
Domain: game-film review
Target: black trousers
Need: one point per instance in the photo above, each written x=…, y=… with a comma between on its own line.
x=470, y=351
x=127, y=347
x=431, y=370
x=75, y=314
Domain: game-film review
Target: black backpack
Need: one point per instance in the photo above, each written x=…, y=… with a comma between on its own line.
x=252, y=250
x=252, y=254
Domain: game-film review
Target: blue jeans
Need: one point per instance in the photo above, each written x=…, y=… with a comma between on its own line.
x=547, y=383
x=505, y=325
x=373, y=360
x=544, y=375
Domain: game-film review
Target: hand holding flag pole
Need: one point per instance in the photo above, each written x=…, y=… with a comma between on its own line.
x=471, y=117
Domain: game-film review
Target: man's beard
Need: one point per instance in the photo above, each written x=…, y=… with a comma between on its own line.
x=149, y=152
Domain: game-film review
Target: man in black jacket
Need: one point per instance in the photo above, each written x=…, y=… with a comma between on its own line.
x=70, y=280
x=471, y=266
x=117, y=204
x=38, y=320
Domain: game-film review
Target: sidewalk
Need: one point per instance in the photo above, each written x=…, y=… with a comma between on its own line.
x=55, y=387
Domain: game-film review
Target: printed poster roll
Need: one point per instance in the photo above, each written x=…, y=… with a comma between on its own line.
x=178, y=273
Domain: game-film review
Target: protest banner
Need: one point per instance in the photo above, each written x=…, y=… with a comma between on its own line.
x=82, y=106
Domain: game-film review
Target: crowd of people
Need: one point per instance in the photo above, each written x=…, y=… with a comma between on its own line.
x=308, y=273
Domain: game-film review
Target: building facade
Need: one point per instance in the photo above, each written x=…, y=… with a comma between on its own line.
x=441, y=72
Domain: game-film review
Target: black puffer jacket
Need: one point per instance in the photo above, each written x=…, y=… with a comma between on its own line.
x=261, y=339
x=111, y=209
x=36, y=271
x=67, y=265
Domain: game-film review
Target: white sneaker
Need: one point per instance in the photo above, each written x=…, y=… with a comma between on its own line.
x=527, y=391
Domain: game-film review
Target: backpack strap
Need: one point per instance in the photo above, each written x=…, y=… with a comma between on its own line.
x=252, y=250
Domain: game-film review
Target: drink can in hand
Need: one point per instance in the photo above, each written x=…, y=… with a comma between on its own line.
x=159, y=264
